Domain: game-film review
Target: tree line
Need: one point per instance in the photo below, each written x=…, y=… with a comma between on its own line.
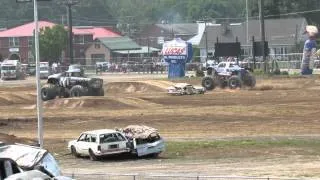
x=140, y=12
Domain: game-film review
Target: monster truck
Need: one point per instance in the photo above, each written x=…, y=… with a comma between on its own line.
x=228, y=74
x=71, y=84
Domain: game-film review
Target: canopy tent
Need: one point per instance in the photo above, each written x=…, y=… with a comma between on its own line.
x=143, y=50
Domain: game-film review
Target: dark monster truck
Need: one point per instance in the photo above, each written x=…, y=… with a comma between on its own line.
x=71, y=84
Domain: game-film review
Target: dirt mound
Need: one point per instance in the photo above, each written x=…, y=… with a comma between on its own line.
x=132, y=87
x=11, y=139
x=16, y=98
x=86, y=102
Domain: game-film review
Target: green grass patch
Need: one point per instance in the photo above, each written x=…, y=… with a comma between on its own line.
x=241, y=148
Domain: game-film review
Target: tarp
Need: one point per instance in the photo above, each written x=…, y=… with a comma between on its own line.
x=139, y=131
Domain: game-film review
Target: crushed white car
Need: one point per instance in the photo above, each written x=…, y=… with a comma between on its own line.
x=185, y=89
x=98, y=143
x=144, y=140
x=31, y=160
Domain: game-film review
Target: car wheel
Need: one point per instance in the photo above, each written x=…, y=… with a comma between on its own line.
x=208, y=83
x=155, y=155
x=74, y=151
x=92, y=156
x=234, y=82
x=77, y=91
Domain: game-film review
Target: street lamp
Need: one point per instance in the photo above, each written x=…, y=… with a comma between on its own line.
x=37, y=53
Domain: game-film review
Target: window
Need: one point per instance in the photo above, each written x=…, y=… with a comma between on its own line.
x=79, y=39
x=30, y=41
x=97, y=45
x=14, y=42
x=30, y=57
x=82, y=137
x=109, y=138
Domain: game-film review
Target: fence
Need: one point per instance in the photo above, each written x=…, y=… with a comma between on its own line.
x=165, y=177
x=150, y=66
x=137, y=68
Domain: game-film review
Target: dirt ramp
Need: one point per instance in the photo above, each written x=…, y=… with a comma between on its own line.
x=132, y=87
x=86, y=102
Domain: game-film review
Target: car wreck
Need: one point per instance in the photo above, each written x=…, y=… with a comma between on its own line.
x=144, y=140
x=185, y=89
x=31, y=158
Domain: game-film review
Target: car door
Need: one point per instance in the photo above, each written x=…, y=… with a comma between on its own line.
x=82, y=145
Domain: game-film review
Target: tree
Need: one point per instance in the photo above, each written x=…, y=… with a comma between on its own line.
x=52, y=42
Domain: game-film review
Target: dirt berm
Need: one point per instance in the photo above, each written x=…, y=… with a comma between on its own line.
x=134, y=87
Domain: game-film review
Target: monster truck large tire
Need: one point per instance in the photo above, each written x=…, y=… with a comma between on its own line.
x=77, y=91
x=101, y=92
x=96, y=92
x=234, y=82
x=208, y=83
x=48, y=92
x=249, y=80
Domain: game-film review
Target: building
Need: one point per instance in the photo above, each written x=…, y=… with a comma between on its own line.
x=283, y=35
x=104, y=49
x=17, y=42
x=154, y=35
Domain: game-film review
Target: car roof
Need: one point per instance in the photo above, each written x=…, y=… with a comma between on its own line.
x=182, y=84
x=101, y=131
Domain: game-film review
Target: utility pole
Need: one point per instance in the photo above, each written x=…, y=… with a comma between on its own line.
x=37, y=53
x=247, y=14
x=69, y=4
x=206, y=36
x=262, y=30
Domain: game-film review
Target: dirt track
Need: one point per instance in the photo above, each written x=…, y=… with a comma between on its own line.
x=287, y=109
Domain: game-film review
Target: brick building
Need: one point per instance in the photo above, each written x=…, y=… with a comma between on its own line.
x=17, y=42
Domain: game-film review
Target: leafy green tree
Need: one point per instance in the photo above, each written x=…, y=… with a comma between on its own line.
x=52, y=41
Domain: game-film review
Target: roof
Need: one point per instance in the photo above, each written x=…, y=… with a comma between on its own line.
x=26, y=30
x=119, y=43
x=143, y=50
x=197, y=38
x=25, y=156
x=278, y=32
x=100, y=32
x=180, y=29
x=101, y=131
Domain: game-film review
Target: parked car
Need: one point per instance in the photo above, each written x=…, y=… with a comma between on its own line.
x=185, y=89
x=104, y=66
x=99, y=143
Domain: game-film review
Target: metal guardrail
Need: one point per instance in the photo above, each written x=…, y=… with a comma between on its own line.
x=102, y=176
